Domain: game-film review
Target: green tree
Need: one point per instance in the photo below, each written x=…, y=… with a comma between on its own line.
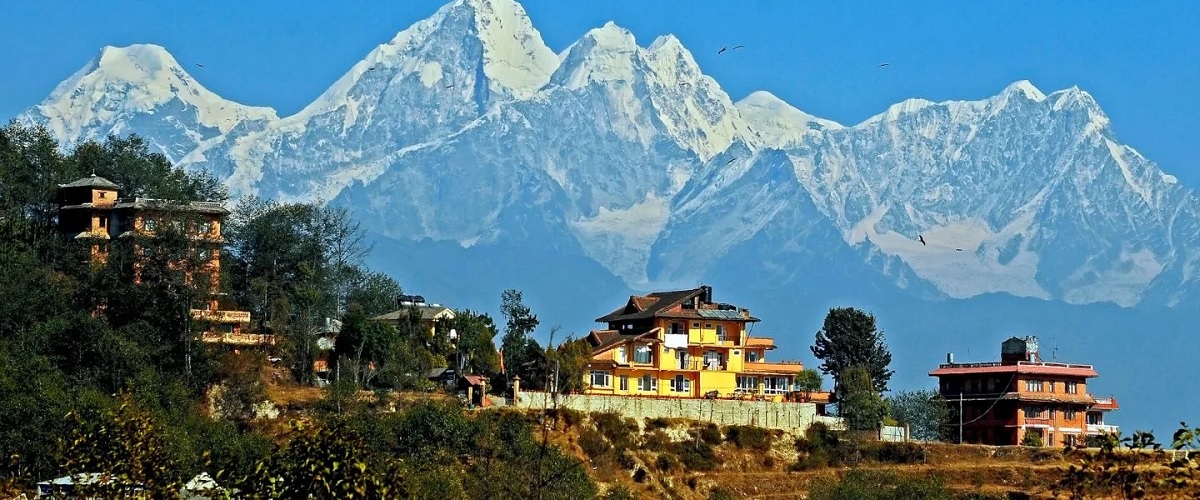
x=924, y=411
x=848, y=338
x=476, y=342
x=572, y=357
x=862, y=407
x=374, y=292
x=518, y=348
x=364, y=343
x=809, y=381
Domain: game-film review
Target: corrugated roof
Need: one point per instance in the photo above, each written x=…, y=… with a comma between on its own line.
x=93, y=181
x=207, y=207
x=719, y=314
x=427, y=313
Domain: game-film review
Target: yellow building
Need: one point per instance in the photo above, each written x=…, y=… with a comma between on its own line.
x=91, y=212
x=682, y=344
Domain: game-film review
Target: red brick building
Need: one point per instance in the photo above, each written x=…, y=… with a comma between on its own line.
x=1003, y=401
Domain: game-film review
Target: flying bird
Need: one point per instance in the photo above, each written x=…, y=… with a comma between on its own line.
x=200, y=65
x=730, y=161
x=722, y=50
x=957, y=249
x=450, y=86
x=922, y=238
x=735, y=47
x=884, y=65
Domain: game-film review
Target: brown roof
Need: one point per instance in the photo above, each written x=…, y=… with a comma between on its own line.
x=92, y=181
x=766, y=342
x=603, y=340
x=658, y=305
x=645, y=307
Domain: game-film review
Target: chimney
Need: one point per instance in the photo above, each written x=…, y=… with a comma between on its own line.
x=949, y=358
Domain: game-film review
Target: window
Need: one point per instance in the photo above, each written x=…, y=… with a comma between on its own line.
x=676, y=328
x=708, y=326
x=103, y=221
x=695, y=324
x=712, y=360
x=1051, y=385
x=601, y=379
x=721, y=333
x=991, y=385
x=752, y=356
x=149, y=224
x=103, y=195
x=682, y=359
x=624, y=382
x=647, y=383
x=747, y=384
x=1033, y=386
x=1035, y=412
x=642, y=354
x=681, y=384
x=1069, y=414
x=623, y=354
x=1071, y=387
x=775, y=385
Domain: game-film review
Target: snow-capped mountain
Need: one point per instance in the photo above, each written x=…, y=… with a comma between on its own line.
x=143, y=89
x=467, y=128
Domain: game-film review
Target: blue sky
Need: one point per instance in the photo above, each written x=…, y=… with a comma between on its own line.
x=1140, y=60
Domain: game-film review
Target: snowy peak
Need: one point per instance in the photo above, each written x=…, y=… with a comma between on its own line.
x=1023, y=88
x=123, y=81
x=777, y=123
x=605, y=54
x=448, y=51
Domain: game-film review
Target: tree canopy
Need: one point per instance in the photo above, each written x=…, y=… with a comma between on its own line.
x=849, y=338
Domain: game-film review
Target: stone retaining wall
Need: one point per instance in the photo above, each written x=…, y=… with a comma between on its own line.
x=790, y=417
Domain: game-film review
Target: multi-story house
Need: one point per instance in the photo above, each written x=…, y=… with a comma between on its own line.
x=999, y=403
x=682, y=344
x=91, y=211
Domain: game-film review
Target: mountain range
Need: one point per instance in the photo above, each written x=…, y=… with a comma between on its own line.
x=480, y=159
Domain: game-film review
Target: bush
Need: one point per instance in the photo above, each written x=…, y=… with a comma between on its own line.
x=625, y=459
x=666, y=462
x=593, y=443
x=657, y=423
x=700, y=457
x=618, y=493
x=895, y=453
x=859, y=484
x=1032, y=439
x=619, y=430
x=747, y=437
x=709, y=433
x=570, y=418
x=719, y=493
x=656, y=441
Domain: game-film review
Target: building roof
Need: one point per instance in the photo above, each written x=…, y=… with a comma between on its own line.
x=428, y=313
x=1023, y=367
x=92, y=181
x=659, y=305
x=603, y=340
x=1106, y=403
x=764, y=342
x=204, y=207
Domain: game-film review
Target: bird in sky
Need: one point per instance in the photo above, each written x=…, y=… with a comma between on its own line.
x=450, y=86
x=884, y=65
x=730, y=161
x=722, y=50
x=735, y=47
x=200, y=65
x=922, y=238
x=957, y=249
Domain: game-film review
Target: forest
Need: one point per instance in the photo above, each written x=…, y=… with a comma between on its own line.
x=101, y=372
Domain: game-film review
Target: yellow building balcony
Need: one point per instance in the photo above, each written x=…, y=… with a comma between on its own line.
x=781, y=367
x=224, y=317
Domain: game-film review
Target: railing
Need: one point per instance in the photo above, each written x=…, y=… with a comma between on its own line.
x=696, y=364
x=1102, y=428
x=221, y=316
x=237, y=338
x=1021, y=363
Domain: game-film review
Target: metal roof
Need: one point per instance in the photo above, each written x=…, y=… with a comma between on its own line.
x=719, y=314
x=92, y=181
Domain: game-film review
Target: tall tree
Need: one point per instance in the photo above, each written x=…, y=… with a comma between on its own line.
x=519, y=326
x=860, y=405
x=849, y=338
x=476, y=342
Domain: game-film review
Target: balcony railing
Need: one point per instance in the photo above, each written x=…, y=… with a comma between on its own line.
x=1021, y=363
x=1102, y=428
x=221, y=316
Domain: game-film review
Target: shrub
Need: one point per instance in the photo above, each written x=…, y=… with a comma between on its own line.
x=618, y=493
x=698, y=457
x=719, y=493
x=593, y=443
x=618, y=430
x=859, y=484
x=747, y=437
x=895, y=453
x=666, y=462
x=625, y=459
x=570, y=418
x=656, y=441
x=657, y=423
x=1032, y=439
x=709, y=433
